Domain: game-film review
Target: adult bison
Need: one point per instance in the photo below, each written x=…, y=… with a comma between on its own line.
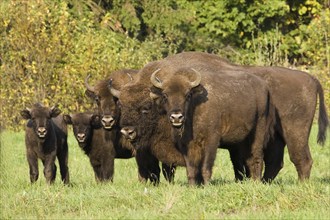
x=152, y=132
x=148, y=164
x=210, y=107
x=140, y=120
x=294, y=94
x=105, y=101
x=97, y=143
x=46, y=139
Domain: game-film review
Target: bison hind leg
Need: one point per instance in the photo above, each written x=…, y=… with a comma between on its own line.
x=168, y=172
x=273, y=158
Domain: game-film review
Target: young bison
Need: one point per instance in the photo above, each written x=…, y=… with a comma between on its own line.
x=46, y=138
x=97, y=143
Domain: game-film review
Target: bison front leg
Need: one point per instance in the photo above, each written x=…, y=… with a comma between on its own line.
x=33, y=167
x=49, y=169
x=108, y=168
x=63, y=162
x=210, y=152
x=148, y=166
x=97, y=171
x=194, y=165
x=194, y=174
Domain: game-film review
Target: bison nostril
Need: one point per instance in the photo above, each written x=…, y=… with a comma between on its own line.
x=177, y=119
x=42, y=129
x=81, y=135
x=108, y=121
x=41, y=132
x=128, y=132
x=176, y=116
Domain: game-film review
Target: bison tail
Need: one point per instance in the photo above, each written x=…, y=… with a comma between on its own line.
x=323, y=120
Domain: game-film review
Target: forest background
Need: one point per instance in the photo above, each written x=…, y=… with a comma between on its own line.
x=48, y=47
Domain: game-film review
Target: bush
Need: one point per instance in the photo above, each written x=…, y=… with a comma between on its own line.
x=48, y=47
x=49, y=51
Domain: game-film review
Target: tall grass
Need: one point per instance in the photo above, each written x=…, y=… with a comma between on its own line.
x=126, y=198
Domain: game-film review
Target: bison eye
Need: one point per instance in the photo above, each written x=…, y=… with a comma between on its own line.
x=97, y=98
x=188, y=96
x=164, y=96
x=144, y=111
x=118, y=103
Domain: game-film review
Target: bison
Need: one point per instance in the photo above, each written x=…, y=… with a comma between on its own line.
x=46, y=139
x=294, y=94
x=97, y=143
x=210, y=107
x=143, y=122
x=148, y=165
x=105, y=101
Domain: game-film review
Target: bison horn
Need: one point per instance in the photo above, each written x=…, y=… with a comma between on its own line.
x=113, y=91
x=156, y=81
x=89, y=87
x=130, y=76
x=198, y=79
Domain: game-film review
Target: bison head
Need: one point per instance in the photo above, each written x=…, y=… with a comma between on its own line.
x=138, y=113
x=105, y=101
x=175, y=93
x=40, y=118
x=83, y=125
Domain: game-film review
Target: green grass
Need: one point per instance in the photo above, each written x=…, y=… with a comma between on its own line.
x=126, y=198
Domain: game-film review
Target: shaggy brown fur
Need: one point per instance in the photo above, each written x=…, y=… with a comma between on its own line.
x=225, y=109
x=98, y=144
x=46, y=138
x=148, y=165
x=106, y=103
x=294, y=94
x=140, y=114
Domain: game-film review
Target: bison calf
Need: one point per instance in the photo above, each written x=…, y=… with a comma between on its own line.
x=97, y=143
x=46, y=138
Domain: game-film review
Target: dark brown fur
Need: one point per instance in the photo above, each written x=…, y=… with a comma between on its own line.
x=105, y=101
x=148, y=164
x=98, y=144
x=294, y=94
x=141, y=114
x=228, y=109
x=46, y=139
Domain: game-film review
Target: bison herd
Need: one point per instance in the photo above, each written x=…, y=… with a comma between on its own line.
x=179, y=111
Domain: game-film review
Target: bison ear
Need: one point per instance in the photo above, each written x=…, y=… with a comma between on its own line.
x=67, y=119
x=154, y=96
x=155, y=93
x=26, y=113
x=54, y=111
x=90, y=94
x=198, y=90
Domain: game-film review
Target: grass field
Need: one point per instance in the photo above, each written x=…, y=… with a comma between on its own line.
x=126, y=198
